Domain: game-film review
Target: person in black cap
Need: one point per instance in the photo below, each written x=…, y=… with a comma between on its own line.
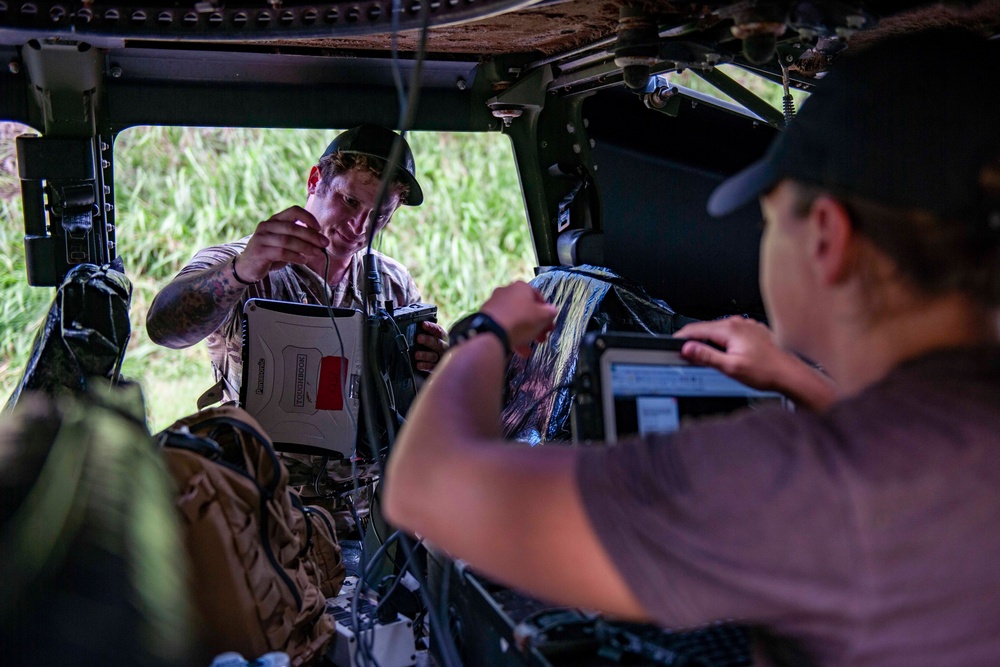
x=285, y=259
x=866, y=528
x=287, y=254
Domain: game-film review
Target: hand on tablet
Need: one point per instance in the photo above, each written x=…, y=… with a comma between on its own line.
x=750, y=355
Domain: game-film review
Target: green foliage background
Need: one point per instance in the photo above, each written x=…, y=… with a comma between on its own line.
x=180, y=189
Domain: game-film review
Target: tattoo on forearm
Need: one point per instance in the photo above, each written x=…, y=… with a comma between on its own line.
x=190, y=309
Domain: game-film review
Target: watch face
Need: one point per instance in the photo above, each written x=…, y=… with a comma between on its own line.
x=474, y=324
x=461, y=331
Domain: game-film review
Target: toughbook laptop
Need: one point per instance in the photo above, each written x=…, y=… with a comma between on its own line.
x=636, y=384
x=302, y=373
x=302, y=369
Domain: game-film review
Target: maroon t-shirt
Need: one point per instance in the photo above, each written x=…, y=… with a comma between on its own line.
x=870, y=533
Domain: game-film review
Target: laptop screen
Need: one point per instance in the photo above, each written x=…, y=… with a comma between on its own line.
x=633, y=384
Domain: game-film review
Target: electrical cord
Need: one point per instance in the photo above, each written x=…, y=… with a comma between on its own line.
x=385, y=400
x=406, y=565
x=366, y=635
x=408, y=105
x=357, y=521
x=449, y=567
x=319, y=476
x=363, y=650
x=439, y=627
x=363, y=647
x=343, y=389
x=397, y=78
x=404, y=350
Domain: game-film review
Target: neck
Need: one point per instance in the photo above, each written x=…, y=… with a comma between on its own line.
x=863, y=350
x=337, y=270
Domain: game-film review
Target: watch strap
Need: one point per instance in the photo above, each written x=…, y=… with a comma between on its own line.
x=475, y=324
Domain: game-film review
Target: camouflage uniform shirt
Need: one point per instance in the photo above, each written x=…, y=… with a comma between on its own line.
x=297, y=284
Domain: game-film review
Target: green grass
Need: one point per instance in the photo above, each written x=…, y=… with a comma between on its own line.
x=180, y=189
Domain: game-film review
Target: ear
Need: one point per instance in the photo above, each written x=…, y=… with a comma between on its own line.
x=313, y=181
x=834, y=240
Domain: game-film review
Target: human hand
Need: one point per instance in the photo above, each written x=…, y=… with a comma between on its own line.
x=289, y=237
x=433, y=345
x=522, y=312
x=752, y=356
x=750, y=353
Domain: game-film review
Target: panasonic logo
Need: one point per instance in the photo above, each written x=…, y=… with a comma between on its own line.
x=299, y=398
x=260, y=376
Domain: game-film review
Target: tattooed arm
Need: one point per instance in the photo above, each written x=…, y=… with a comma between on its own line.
x=196, y=303
x=192, y=306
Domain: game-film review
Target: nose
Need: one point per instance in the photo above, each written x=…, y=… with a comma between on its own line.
x=359, y=221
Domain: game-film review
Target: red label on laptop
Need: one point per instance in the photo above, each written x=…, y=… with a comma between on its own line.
x=332, y=379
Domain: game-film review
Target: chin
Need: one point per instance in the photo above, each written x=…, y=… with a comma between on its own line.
x=335, y=251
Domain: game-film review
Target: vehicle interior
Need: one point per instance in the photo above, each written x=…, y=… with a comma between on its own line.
x=615, y=159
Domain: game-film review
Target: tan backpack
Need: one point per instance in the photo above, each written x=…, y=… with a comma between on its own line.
x=262, y=563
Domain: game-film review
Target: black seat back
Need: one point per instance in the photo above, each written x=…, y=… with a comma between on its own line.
x=655, y=174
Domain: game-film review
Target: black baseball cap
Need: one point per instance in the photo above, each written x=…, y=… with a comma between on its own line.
x=908, y=122
x=376, y=141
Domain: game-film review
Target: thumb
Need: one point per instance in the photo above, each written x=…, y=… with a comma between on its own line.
x=702, y=354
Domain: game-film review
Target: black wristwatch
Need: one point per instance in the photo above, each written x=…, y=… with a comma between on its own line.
x=478, y=323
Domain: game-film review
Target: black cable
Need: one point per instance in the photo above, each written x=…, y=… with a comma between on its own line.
x=408, y=107
x=363, y=649
x=319, y=476
x=405, y=353
x=361, y=646
x=343, y=385
x=378, y=538
x=449, y=567
x=381, y=551
x=408, y=111
x=384, y=597
x=397, y=77
x=418, y=623
x=357, y=522
x=439, y=627
x=365, y=637
x=380, y=385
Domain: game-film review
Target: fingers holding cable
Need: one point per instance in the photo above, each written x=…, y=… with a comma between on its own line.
x=290, y=237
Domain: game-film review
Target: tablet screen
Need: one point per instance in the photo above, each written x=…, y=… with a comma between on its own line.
x=635, y=384
x=655, y=391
